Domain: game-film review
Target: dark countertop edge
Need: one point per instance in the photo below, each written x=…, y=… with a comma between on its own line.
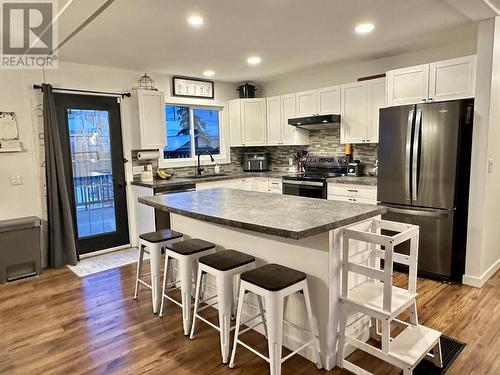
x=266, y=230
x=183, y=180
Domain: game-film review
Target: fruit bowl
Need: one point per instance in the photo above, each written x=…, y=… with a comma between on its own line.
x=163, y=174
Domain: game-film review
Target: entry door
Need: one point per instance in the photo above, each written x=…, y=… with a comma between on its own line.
x=94, y=150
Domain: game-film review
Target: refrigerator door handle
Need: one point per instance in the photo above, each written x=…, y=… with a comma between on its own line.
x=436, y=214
x=416, y=151
x=408, y=154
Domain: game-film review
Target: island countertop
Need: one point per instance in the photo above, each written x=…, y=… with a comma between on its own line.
x=280, y=215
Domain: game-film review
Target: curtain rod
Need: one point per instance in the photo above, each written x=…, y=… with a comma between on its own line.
x=122, y=94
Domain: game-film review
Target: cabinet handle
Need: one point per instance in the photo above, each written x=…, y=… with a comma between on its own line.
x=431, y=100
x=352, y=199
x=352, y=190
x=424, y=100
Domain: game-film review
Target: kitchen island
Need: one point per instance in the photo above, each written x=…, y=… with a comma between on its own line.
x=301, y=233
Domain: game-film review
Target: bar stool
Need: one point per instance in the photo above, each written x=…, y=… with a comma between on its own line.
x=152, y=243
x=275, y=282
x=185, y=253
x=225, y=266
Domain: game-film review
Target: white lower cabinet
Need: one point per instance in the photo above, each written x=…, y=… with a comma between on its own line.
x=144, y=215
x=260, y=184
x=352, y=193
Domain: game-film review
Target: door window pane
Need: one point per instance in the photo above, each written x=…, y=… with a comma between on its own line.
x=178, y=132
x=206, y=130
x=92, y=173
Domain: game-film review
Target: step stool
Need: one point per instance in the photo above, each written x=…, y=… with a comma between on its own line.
x=186, y=253
x=382, y=302
x=274, y=283
x=225, y=265
x=152, y=243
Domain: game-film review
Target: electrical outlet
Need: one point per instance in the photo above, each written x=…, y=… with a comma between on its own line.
x=490, y=165
x=16, y=180
x=290, y=162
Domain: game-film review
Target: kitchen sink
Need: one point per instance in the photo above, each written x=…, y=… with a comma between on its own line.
x=207, y=176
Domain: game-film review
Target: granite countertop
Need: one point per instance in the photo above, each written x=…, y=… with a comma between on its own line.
x=174, y=181
x=363, y=180
x=280, y=215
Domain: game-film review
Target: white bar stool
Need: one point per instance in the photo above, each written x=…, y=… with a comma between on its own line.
x=185, y=253
x=152, y=243
x=225, y=266
x=275, y=282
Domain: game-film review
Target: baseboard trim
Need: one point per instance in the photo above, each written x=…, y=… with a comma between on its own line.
x=478, y=282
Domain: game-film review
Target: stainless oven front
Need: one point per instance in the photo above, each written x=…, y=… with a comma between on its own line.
x=310, y=189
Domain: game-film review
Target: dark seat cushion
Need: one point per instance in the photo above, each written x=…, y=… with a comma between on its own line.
x=188, y=247
x=160, y=235
x=226, y=260
x=273, y=277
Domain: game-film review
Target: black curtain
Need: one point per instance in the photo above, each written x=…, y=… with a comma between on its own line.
x=61, y=232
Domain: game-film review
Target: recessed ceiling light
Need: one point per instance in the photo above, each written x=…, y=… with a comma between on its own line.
x=208, y=73
x=195, y=21
x=364, y=28
x=254, y=60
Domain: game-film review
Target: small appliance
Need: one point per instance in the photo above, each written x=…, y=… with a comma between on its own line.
x=355, y=169
x=256, y=161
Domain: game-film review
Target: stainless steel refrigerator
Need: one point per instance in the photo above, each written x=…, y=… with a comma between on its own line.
x=424, y=169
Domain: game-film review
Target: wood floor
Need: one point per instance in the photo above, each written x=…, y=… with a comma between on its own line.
x=61, y=324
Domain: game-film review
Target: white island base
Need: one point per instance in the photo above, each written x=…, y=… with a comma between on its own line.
x=318, y=256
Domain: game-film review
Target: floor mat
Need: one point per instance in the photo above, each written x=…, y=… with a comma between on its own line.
x=99, y=263
x=450, y=350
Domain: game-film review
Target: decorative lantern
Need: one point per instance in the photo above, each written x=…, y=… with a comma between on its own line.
x=146, y=83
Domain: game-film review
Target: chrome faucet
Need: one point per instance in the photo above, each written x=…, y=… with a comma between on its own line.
x=200, y=169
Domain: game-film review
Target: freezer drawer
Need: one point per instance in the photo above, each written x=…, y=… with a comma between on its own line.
x=435, y=241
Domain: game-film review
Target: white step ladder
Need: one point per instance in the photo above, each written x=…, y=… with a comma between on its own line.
x=378, y=299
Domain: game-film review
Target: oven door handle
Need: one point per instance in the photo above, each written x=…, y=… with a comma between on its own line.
x=303, y=183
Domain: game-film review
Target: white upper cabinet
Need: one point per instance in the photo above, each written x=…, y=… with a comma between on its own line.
x=452, y=79
x=361, y=102
x=328, y=100
x=253, y=116
x=407, y=85
x=247, y=118
x=318, y=102
x=148, y=116
x=438, y=81
x=306, y=103
x=377, y=88
x=274, y=121
x=354, y=112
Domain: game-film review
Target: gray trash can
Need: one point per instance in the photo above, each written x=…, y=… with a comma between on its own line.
x=19, y=248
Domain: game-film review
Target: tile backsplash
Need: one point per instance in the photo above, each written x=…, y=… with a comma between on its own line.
x=323, y=142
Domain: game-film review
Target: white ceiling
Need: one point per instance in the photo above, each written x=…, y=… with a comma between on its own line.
x=153, y=35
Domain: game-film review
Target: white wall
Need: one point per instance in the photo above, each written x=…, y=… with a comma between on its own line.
x=16, y=94
x=483, y=248
x=333, y=74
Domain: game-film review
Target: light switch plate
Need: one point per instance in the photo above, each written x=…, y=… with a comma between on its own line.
x=16, y=180
x=138, y=169
x=490, y=165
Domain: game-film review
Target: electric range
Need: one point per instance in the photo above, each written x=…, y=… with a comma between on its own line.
x=313, y=182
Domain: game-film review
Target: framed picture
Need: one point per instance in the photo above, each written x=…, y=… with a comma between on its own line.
x=192, y=88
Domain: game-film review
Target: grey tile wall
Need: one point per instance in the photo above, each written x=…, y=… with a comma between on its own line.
x=323, y=142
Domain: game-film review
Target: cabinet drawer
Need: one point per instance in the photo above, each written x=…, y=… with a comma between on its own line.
x=352, y=199
x=275, y=185
x=358, y=191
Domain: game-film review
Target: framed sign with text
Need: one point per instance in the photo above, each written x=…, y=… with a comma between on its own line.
x=192, y=88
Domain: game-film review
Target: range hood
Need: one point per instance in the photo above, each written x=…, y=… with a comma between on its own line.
x=315, y=122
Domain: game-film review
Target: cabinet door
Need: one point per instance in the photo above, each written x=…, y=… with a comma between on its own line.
x=377, y=101
x=152, y=120
x=253, y=115
x=247, y=184
x=328, y=100
x=288, y=111
x=306, y=103
x=274, y=121
x=452, y=79
x=408, y=85
x=235, y=131
x=261, y=184
x=355, y=113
